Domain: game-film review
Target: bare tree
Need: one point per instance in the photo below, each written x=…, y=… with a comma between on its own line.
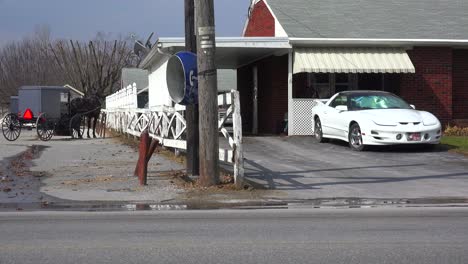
x=27, y=62
x=95, y=67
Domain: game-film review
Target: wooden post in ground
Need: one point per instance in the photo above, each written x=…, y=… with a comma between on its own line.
x=191, y=112
x=238, y=141
x=207, y=93
x=146, y=149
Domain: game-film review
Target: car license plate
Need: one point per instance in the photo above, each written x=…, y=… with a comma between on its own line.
x=414, y=137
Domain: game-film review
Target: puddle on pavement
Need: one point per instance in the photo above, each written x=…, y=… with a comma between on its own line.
x=253, y=205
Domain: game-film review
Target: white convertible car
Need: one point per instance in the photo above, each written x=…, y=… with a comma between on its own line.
x=373, y=118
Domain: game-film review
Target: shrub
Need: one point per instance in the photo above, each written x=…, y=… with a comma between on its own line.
x=456, y=131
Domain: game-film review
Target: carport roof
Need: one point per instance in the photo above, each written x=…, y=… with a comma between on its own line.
x=231, y=53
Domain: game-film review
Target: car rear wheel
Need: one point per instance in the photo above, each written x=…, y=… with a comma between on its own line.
x=318, y=133
x=355, y=138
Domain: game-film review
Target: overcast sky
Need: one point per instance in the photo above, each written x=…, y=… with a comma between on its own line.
x=82, y=19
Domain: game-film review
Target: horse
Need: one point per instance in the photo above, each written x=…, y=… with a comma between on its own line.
x=90, y=108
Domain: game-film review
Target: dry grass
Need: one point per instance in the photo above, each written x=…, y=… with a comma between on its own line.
x=180, y=178
x=456, y=131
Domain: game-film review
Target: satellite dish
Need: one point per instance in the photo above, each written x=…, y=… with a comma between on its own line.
x=140, y=49
x=148, y=42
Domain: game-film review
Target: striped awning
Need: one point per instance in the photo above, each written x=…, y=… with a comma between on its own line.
x=352, y=60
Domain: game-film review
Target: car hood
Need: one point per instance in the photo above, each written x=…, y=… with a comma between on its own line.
x=389, y=116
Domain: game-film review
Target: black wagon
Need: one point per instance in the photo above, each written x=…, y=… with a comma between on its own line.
x=47, y=109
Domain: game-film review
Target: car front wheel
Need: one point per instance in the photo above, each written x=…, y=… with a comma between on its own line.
x=355, y=138
x=318, y=133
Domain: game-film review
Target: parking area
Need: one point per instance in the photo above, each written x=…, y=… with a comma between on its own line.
x=299, y=168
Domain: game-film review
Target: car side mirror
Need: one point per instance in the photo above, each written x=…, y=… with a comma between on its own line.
x=414, y=107
x=341, y=108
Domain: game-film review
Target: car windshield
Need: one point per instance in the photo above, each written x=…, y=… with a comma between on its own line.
x=366, y=101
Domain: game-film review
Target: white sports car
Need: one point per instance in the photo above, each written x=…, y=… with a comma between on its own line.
x=373, y=118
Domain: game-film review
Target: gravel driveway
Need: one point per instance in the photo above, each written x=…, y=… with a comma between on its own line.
x=82, y=170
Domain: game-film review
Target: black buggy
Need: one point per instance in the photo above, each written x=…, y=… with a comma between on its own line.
x=47, y=109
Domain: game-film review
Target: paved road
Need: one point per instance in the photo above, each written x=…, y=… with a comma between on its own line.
x=303, y=169
x=269, y=236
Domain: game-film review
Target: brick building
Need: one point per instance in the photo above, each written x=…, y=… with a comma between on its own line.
x=295, y=51
x=417, y=49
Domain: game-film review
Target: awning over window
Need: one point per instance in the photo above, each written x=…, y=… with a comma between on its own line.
x=352, y=60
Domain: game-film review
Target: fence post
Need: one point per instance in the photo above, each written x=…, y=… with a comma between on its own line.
x=238, y=148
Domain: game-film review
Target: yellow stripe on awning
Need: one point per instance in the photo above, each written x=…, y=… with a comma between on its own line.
x=352, y=60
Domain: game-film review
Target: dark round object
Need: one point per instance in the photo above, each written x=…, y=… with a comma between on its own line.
x=11, y=127
x=355, y=138
x=45, y=127
x=318, y=133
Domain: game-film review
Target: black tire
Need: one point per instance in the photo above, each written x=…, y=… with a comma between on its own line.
x=355, y=138
x=318, y=133
x=11, y=127
x=45, y=128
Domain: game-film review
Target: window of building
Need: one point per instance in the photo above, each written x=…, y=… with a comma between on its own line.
x=322, y=85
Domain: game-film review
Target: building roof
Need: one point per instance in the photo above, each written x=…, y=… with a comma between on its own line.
x=231, y=53
x=373, y=19
x=30, y=87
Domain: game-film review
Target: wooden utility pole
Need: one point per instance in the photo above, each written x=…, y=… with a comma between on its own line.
x=193, y=162
x=207, y=93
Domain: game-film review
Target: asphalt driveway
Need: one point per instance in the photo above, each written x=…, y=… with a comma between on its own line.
x=299, y=168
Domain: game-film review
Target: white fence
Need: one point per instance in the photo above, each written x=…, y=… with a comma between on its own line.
x=125, y=98
x=168, y=125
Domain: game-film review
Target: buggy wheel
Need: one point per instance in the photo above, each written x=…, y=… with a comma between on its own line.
x=11, y=127
x=77, y=126
x=45, y=128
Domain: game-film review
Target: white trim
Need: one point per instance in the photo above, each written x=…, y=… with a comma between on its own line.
x=290, y=93
x=279, y=29
x=74, y=89
x=251, y=7
x=373, y=42
x=232, y=42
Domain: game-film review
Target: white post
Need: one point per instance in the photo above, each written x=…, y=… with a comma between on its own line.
x=238, y=148
x=135, y=96
x=290, y=94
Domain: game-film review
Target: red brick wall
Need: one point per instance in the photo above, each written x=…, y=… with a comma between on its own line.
x=272, y=94
x=261, y=22
x=430, y=88
x=460, y=84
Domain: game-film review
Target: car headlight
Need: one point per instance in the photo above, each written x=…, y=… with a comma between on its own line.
x=430, y=120
x=385, y=123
